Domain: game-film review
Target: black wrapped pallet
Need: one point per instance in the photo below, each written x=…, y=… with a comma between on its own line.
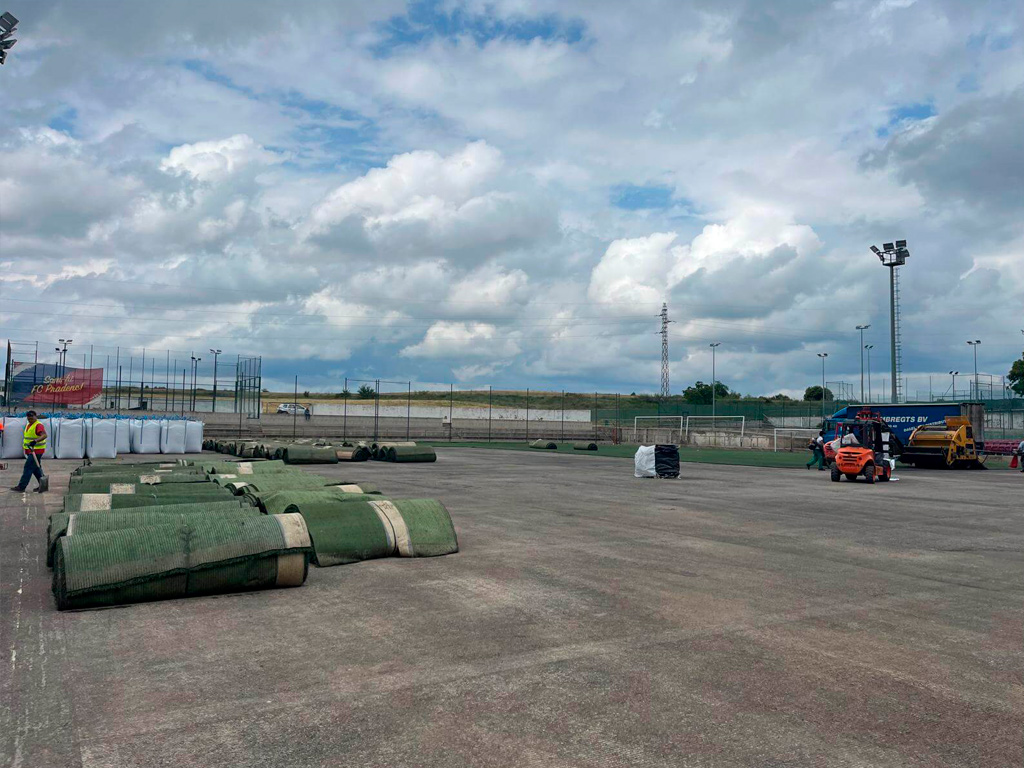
x=666, y=460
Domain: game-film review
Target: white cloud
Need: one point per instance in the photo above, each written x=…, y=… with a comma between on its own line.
x=453, y=340
x=215, y=161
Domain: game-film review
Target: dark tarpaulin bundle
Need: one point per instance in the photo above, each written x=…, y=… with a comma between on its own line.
x=410, y=453
x=276, y=502
x=346, y=532
x=546, y=445
x=198, y=557
x=583, y=445
x=67, y=524
x=310, y=454
x=666, y=460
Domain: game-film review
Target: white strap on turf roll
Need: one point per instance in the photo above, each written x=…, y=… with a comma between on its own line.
x=94, y=502
x=245, y=468
x=71, y=525
x=225, y=477
x=294, y=530
x=349, y=488
x=149, y=479
x=165, y=466
x=122, y=488
x=394, y=523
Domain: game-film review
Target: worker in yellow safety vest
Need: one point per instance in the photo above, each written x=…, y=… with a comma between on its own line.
x=34, y=445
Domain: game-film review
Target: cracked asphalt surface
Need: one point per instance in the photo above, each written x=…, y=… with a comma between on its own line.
x=736, y=617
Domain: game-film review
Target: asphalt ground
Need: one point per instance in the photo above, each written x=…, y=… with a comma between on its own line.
x=737, y=616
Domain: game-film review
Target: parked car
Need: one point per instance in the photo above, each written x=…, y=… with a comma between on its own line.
x=292, y=409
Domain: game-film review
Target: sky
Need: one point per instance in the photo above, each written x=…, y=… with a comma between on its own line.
x=504, y=193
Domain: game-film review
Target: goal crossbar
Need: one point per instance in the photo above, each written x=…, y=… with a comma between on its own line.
x=775, y=434
x=638, y=419
x=713, y=419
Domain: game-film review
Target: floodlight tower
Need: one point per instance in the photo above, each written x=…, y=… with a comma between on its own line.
x=7, y=30
x=664, y=349
x=894, y=256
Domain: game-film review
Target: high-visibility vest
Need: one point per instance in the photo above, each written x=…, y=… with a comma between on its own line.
x=32, y=433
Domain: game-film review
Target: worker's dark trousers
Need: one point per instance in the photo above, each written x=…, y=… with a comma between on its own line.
x=31, y=468
x=818, y=458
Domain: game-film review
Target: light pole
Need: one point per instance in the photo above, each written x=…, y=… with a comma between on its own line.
x=954, y=374
x=894, y=256
x=974, y=344
x=869, y=347
x=216, y=353
x=713, y=348
x=823, y=355
x=195, y=371
x=862, y=328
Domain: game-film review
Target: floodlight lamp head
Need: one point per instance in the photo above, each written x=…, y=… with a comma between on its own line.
x=7, y=22
x=888, y=247
x=874, y=249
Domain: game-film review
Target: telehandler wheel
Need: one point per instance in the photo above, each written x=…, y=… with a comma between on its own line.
x=869, y=472
x=836, y=474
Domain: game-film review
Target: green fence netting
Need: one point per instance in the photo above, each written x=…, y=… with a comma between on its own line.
x=199, y=557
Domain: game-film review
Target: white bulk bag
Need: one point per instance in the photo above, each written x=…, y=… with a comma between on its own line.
x=101, y=438
x=193, y=437
x=644, y=462
x=145, y=436
x=52, y=427
x=70, y=439
x=14, y=434
x=172, y=437
x=122, y=435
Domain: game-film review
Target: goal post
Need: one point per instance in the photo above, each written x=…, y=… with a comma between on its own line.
x=676, y=423
x=775, y=435
x=713, y=419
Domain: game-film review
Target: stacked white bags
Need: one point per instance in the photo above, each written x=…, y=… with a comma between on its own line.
x=172, y=437
x=68, y=438
x=145, y=436
x=193, y=437
x=122, y=435
x=14, y=433
x=101, y=438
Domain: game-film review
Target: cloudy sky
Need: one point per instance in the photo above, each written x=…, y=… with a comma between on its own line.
x=503, y=193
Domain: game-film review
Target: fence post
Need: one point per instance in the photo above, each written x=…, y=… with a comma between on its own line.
x=527, y=414
x=408, y=413
x=489, y=413
x=344, y=418
x=295, y=410
x=451, y=409
x=618, y=423
x=376, y=410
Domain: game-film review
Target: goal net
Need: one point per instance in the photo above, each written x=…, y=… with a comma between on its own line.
x=791, y=437
x=657, y=429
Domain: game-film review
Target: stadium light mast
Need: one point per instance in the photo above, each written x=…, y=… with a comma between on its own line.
x=823, y=355
x=893, y=256
x=7, y=29
x=215, y=353
x=974, y=345
x=869, y=347
x=954, y=374
x=714, y=346
x=862, y=328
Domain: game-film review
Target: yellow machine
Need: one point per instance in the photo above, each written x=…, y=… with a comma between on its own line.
x=949, y=444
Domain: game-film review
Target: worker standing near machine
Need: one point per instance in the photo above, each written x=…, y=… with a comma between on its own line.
x=34, y=445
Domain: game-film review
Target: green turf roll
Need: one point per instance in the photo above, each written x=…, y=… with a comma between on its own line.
x=410, y=453
x=66, y=524
x=429, y=531
x=277, y=481
x=276, y=502
x=205, y=556
x=343, y=532
x=123, y=467
x=583, y=445
x=310, y=454
x=352, y=453
x=546, y=445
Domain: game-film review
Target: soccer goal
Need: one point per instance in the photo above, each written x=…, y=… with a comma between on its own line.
x=674, y=422
x=777, y=430
x=714, y=420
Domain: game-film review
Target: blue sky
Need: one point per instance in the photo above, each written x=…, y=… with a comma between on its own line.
x=504, y=193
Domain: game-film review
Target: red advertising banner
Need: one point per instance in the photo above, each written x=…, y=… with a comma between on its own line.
x=45, y=384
